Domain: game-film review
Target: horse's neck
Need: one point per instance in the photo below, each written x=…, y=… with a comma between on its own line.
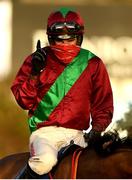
x=124, y=149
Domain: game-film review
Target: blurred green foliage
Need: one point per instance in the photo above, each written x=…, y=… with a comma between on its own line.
x=14, y=132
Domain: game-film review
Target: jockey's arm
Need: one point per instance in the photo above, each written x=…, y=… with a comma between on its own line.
x=102, y=99
x=24, y=86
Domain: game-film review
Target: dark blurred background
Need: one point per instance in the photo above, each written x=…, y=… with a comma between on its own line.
x=108, y=33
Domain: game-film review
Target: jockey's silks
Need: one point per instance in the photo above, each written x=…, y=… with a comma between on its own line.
x=66, y=94
x=60, y=88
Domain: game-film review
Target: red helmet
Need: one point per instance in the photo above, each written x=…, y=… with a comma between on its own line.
x=66, y=23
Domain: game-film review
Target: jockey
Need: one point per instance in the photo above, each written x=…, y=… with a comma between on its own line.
x=62, y=86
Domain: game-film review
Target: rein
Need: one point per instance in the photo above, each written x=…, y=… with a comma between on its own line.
x=74, y=164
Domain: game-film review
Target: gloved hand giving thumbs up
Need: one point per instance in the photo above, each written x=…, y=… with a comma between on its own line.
x=38, y=60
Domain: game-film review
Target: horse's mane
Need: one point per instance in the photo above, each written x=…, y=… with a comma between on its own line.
x=109, y=142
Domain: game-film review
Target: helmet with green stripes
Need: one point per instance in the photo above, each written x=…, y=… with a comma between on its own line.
x=65, y=24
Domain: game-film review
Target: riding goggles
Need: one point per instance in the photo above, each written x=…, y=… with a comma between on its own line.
x=65, y=27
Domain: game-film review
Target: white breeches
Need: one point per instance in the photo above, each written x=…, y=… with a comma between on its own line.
x=45, y=144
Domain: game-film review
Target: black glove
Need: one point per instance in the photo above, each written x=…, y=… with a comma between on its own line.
x=92, y=137
x=38, y=60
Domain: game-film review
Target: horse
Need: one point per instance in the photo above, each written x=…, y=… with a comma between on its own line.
x=116, y=164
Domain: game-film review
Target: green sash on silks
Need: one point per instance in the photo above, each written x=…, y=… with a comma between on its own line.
x=60, y=88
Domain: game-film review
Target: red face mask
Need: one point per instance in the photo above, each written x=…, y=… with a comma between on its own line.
x=65, y=53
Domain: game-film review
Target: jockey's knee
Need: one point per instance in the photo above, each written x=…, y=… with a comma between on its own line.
x=43, y=160
x=42, y=164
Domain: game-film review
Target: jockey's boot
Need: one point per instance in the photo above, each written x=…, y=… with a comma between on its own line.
x=30, y=174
